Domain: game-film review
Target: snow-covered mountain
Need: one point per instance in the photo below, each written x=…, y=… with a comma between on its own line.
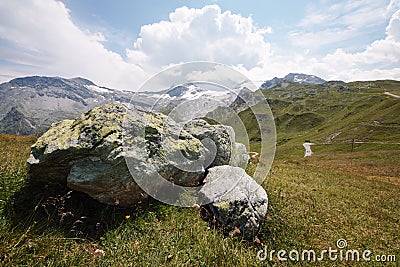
x=188, y=100
x=30, y=105
x=189, y=91
x=293, y=77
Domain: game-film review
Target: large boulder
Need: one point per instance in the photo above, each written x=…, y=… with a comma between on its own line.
x=236, y=200
x=106, y=150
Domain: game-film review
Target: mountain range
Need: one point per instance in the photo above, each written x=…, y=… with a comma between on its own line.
x=332, y=113
x=30, y=105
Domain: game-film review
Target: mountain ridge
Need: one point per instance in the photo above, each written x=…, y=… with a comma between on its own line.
x=30, y=105
x=33, y=103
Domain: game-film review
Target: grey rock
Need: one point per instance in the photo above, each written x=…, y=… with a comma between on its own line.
x=237, y=201
x=246, y=99
x=15, y=122
x=109, y=151
x=217, y=138
x=91, y=153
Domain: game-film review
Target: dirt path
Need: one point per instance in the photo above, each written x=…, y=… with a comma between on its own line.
x=390, y=94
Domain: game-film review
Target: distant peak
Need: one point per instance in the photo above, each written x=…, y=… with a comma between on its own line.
x=82, y=81
x=32, y=79
x=303, y=78
x=293, y=77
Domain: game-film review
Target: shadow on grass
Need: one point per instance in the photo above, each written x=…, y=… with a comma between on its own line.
x=40, y=207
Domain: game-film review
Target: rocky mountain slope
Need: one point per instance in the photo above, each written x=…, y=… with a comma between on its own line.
x=331, y=112
x=29, y=105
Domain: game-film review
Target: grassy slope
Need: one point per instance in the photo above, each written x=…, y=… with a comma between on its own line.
x=333, y=113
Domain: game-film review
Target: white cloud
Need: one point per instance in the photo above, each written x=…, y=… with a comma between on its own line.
x=320, y=39
x=209, y=34
x=334, y=22
x=393, y=6
x=38, y=38
x=98, y=37
x=205, y=34
x=393, y=29
x=377, y=59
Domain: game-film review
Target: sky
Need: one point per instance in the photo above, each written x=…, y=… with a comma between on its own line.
x=120, y=44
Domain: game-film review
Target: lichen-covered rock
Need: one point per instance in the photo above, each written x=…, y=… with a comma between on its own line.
x=107, y=149
x=219, y=139
x=237, y=201
x=89, y=153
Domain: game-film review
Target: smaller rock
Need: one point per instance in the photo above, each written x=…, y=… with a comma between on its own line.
x=217, y=138
x=236, y=200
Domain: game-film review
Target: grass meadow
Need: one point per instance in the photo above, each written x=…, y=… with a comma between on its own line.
x=313, y=202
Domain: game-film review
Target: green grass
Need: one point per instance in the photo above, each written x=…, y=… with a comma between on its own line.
x=312, y=205
x=315, y=207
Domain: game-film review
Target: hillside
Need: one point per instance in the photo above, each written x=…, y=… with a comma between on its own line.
x=313, y=202
x=29, y=105
x=332, y=115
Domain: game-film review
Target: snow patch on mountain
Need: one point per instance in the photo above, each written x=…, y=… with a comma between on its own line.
x=99, y=89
